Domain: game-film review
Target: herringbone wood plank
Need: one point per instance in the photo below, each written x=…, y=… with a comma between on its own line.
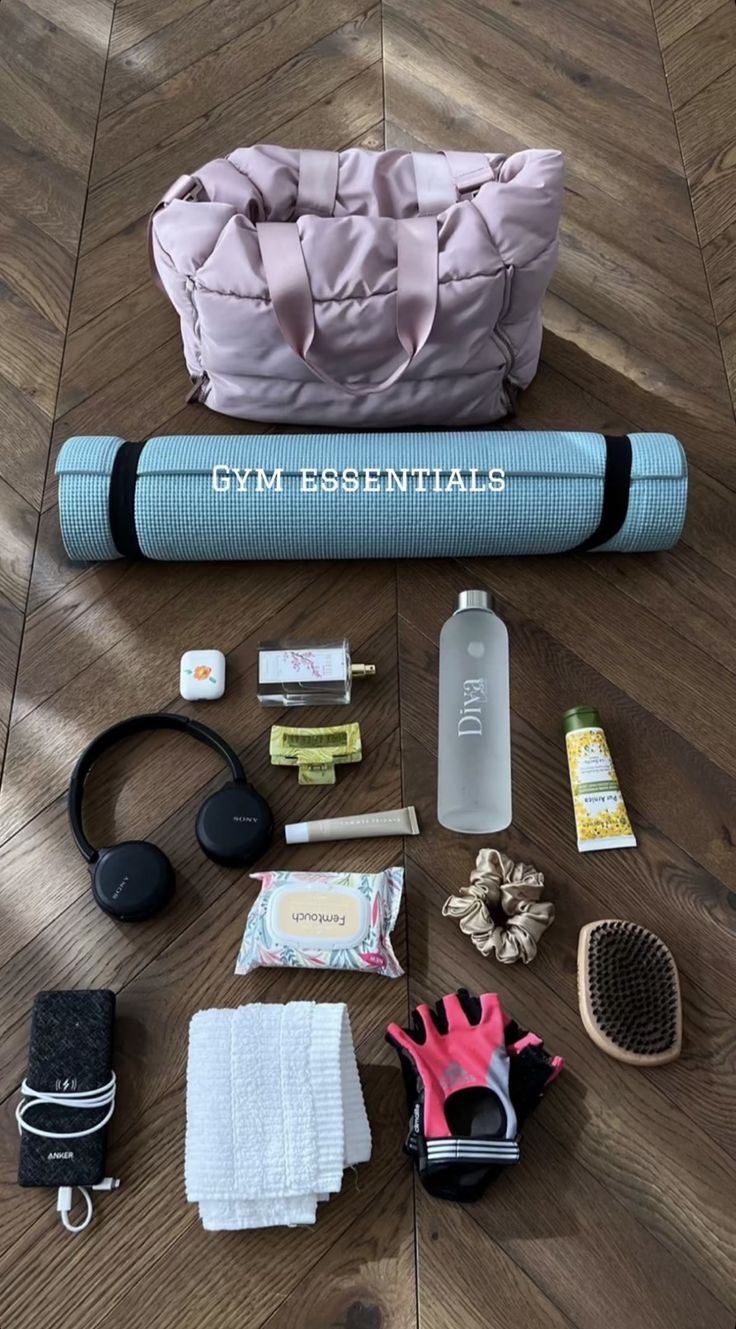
x=699, y=57
x=621, y=1215
x=50, y=83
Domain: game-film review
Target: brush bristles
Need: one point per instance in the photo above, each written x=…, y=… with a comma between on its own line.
x=629, y=992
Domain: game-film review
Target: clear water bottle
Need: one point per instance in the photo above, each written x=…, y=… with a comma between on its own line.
x=474, y=749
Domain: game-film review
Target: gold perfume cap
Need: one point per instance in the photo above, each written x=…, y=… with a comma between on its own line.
x=362, y=670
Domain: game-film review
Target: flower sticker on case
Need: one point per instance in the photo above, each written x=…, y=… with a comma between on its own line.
x=200, y=672
x=202, y=675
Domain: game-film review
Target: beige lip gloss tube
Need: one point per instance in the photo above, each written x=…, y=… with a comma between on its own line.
x=399, y=821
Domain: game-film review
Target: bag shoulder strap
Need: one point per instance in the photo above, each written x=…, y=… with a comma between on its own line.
x=317, y=182
x=186, y=186
x=443, y=177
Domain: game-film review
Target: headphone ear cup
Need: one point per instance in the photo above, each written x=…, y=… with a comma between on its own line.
x=132, y=880
x=234, y=825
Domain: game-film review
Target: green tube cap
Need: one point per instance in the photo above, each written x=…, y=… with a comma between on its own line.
x=581, y=717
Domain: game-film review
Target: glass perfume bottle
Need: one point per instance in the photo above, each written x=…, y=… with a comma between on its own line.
x=307, y=673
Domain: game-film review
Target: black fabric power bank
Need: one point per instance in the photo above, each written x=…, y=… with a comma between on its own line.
x=70, y=1052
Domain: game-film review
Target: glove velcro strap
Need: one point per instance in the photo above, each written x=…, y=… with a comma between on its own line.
x=456, y=1149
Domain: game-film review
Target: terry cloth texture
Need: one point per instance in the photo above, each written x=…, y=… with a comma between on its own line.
x=552, y=500
x=275, y=1113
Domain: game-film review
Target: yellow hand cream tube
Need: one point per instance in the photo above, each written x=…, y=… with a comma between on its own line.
x=601, y=819
x=400, y=821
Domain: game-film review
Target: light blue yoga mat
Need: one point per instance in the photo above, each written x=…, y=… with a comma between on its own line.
x=165, y=499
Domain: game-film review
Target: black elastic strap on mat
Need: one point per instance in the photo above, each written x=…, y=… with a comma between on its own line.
x=121, y=500
x=616, y=487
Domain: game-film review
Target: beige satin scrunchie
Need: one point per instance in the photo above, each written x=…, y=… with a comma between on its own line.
x=515, y=888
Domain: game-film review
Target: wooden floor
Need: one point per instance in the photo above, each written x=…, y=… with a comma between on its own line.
x=622, y=1215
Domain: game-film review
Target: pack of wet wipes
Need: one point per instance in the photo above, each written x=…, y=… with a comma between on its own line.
x=323, y=920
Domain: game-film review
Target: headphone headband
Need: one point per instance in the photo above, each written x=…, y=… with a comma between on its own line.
x=137, y=724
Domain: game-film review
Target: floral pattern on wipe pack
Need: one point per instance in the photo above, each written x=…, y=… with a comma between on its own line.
x=323, y=920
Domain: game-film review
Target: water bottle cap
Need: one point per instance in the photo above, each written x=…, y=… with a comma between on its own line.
x=474, y=600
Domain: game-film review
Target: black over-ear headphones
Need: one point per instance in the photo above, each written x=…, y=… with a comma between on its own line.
x=134, y=879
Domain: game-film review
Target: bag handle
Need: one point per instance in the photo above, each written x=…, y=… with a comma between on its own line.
x=317, y=187
x=443, y=177
x=416, y=292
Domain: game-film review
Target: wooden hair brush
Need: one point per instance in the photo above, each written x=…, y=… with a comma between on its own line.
x=629, y=993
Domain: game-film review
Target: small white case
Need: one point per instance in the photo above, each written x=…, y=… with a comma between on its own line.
x=202, y=675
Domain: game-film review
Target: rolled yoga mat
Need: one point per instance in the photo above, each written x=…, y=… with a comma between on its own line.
x=164, y=499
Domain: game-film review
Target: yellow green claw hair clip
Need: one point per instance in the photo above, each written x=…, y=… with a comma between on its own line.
x=315, y=752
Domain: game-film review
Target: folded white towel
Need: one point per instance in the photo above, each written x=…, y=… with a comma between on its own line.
x=275, y=1112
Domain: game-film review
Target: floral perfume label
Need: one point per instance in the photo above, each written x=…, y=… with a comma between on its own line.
x=600, y=811
x=310, y=664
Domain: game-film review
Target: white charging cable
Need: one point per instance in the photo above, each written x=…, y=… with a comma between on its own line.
x=85, y=1099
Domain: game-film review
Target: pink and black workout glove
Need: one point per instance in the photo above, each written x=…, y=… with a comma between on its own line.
x=472, y=1077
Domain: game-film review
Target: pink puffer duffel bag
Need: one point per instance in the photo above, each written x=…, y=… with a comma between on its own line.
x=361, y=288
